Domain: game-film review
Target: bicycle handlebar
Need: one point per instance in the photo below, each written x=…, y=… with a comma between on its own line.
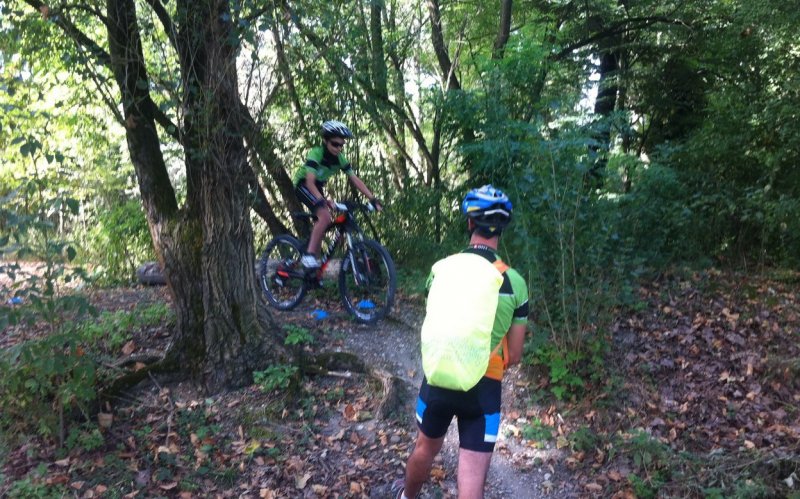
x=353, y=206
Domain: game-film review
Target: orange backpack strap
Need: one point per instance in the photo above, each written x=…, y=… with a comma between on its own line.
x=501, y=266
x=498, y=364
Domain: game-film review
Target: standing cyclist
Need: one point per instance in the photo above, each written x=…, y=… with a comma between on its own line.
x=309, y=180
x=488, y=211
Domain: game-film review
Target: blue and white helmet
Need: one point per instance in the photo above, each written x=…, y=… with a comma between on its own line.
x=335, y=128
x=489, y=208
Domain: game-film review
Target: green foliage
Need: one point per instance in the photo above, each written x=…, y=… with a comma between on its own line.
x=537, y=431
x=86, y=437
x=297, y=335
x=29, y=488
x=42, y=382
x=652, y=461
x=120, y=241
x=584, y=439
x=422, y=225
x=275, y=377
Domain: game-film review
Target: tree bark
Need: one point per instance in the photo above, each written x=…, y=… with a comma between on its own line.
x=206, y=247
x=504, y=31
x=440, y=47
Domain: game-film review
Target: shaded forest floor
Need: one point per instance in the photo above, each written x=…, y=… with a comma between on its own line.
x=700, y=396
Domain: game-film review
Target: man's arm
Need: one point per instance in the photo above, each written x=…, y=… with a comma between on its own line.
x=516, y=342
x=362, y=188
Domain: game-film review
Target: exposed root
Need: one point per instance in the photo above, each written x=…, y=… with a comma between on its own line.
x=394, y=390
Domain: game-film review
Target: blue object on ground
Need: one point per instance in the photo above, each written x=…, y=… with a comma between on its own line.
x=365, y=304
x=319, y=314
x=16, y=300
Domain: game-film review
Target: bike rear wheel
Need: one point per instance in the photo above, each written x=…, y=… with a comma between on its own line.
x=367, y=281
x=281, y=274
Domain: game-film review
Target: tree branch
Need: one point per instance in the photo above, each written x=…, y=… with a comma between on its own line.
x=72, y=32
x=624, y=26
x=166, y=21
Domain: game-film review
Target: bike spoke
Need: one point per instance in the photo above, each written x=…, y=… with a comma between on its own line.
x=280, y=273
x=367, y=281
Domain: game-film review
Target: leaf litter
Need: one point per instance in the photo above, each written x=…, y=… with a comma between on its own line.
x=707, y=367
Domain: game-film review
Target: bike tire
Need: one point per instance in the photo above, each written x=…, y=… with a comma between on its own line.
x=286, y=290
x=367, y=291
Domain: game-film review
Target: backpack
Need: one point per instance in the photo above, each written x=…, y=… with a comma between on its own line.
x=457, y=330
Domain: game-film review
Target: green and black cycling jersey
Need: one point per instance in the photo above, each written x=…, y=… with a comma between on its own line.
x=323, y=165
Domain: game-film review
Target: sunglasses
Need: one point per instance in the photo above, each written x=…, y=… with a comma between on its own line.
x=337, y=145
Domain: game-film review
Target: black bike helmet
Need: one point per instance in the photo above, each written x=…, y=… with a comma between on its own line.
x=489, y=208
x=335, y=128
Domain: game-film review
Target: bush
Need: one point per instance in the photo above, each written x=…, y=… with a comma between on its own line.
x=119, y=242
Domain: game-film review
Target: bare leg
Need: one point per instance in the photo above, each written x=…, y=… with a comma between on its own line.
x=323, y=222
x=472, y=468
x=418, y=468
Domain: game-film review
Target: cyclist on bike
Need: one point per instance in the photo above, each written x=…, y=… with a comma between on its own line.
x=309, y=180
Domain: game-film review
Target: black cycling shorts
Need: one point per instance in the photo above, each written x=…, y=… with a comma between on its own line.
x=477, y=412
x=305, y=196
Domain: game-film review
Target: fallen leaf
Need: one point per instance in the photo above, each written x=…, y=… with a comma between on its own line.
x=77, y=485
x=355, y=488
x=593, y=487
x=104, y=419
x=63, y=462
x=128, y=348
x=168, y=485
x=350, y=412
x=614, y=475
x=301, y=481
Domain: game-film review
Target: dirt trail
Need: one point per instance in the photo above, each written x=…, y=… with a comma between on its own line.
x=518, y=470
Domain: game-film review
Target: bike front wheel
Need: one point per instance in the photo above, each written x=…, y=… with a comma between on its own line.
x=281, y=274
x=367, y=281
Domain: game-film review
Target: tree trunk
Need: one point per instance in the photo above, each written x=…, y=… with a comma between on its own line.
x=206, y=247
x=440, y=47
x=504, y=31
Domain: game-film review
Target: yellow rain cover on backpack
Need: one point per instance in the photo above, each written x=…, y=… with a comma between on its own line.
x=457, y=331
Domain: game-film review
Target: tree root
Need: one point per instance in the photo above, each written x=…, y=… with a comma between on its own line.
x=152, y=363
x=395, y=391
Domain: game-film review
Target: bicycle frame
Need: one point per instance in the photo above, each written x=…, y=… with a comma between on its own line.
x=344, y=224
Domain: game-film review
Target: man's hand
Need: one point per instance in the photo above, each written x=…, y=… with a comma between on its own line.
x=375, y=204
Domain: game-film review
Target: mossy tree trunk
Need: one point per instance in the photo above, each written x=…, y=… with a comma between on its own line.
x=206, y=245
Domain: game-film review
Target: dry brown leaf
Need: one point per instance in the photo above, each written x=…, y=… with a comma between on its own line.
x=300, y=482
x=104, y=419
x=438, y=474
x=355, y=488
x=593, y=487
x=129, y=347
x=350, y=413
x=615, y=475
x=168, y=485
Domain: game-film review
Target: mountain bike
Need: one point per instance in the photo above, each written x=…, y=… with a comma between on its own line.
x=367, y=279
